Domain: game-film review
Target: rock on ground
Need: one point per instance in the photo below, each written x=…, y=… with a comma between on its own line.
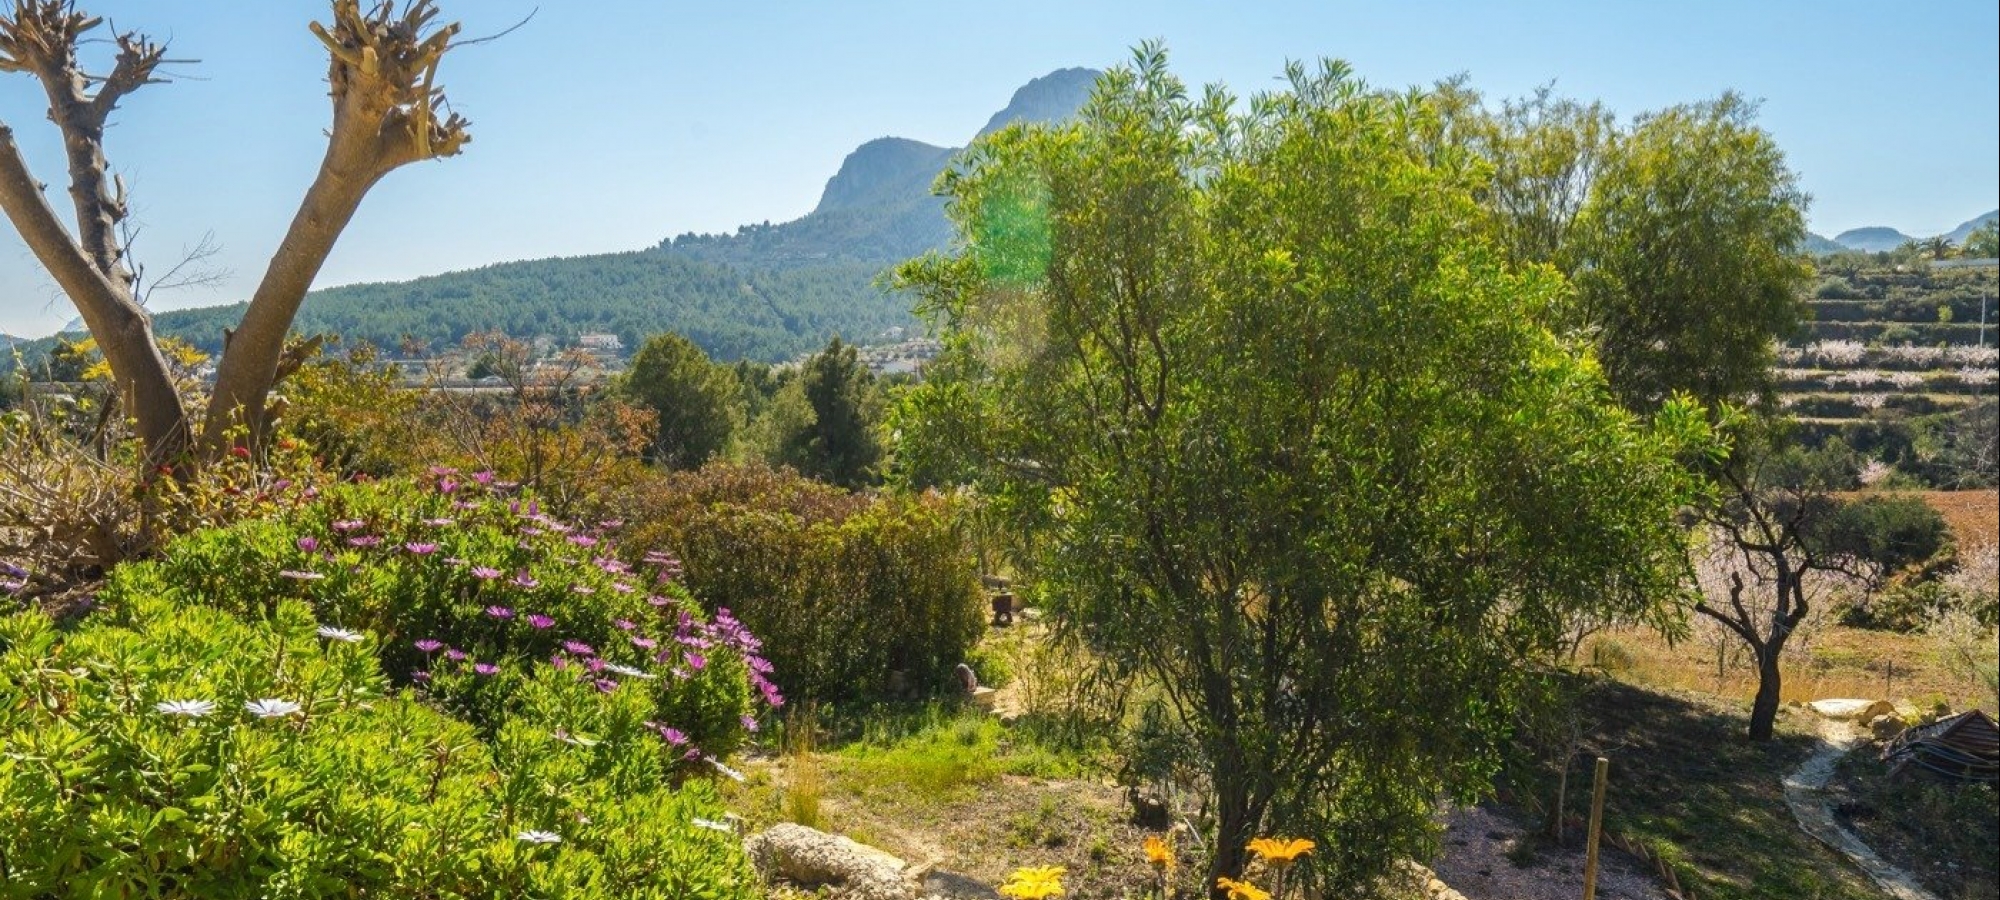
x=1852, y=710
x=809, y=857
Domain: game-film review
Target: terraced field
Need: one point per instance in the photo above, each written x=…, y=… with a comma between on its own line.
x=1894, y=360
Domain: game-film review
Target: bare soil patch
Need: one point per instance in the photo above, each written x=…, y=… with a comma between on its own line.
x=1491, y=854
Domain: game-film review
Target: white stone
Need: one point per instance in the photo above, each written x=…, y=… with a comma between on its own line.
x=1846, y=710
x=809, y=857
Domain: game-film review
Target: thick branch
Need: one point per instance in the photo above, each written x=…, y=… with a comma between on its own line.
x=28, y=208
x=123, y=331
x=385, y=115
x=41, y=38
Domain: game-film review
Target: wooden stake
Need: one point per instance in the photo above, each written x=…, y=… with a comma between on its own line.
x=1596, y=825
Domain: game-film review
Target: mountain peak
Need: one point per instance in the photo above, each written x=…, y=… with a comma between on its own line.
x=883, y=170
x=1050, y=98
x=898, y=171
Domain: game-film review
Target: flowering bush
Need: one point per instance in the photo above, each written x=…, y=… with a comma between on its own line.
x=471, y=590
x=180, y=752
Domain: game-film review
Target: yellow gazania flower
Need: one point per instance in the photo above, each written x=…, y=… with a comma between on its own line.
x=1242, y=890
x=1159, y=852
x=1280, y=850
x=1034, y=883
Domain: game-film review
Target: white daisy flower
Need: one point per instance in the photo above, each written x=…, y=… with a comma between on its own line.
x=630, y=672
x=712, y=825
x=539, y=837
x=193, y=709
x=719, y=767
x=339, y=634
x=272, y=708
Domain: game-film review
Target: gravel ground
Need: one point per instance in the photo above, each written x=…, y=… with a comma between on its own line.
x=1475, y=863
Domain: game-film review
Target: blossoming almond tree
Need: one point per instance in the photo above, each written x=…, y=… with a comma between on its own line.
x=387, y=112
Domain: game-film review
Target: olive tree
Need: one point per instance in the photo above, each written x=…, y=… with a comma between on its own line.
x=387, y=112
x=1289, y=439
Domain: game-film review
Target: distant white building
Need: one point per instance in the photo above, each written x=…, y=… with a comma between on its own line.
x=601, y=342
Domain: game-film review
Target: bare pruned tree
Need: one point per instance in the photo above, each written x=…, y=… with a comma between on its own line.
x=1764, y=567
x=387, y=112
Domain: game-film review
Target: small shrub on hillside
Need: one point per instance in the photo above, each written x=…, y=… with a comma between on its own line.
x=846, y=588
x=548, y=429
x=186, y=753
x=354, y=414
x=468, y=590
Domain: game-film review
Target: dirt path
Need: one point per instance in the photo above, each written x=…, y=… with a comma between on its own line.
x=1805, y=794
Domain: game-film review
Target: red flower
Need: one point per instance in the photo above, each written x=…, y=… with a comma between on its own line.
x=240, y=452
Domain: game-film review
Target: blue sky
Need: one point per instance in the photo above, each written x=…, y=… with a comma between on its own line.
x=608, y=125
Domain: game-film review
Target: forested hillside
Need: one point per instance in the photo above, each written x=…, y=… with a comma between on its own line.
x=765, y=313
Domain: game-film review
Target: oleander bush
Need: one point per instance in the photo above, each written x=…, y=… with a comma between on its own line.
x=176, y=750
x=469, y=586
x=857, y=594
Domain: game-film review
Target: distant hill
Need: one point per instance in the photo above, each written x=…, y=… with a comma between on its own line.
x=1877, y=238
x=1965, y=229
x=766, y=292
x=733, y=313
x=1874, y=238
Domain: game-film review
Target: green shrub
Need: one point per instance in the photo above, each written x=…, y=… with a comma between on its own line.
x=846, y=588
x=991, y=665
x=177, y=751
x=466, y=590
x=1887, y=533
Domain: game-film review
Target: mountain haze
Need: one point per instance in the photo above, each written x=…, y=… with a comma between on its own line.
x=1877, y=238
x=1874, y=238
x=1965, y=228
x=879, y=207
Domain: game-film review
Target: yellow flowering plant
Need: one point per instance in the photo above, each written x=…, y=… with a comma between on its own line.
x=1160, y=855
x=1278, y=854
x=1281, y=851
x=1034, y=883
x=1242, y=890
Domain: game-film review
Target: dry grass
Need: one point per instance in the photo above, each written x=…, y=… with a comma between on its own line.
x=961, y=793
x=1839, y=662
x=1974, y=516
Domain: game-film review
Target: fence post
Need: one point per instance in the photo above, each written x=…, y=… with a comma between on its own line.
x=1596, y=826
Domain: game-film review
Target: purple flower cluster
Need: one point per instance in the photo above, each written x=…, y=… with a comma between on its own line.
x=429, y=648
x=673, y=643
x=12, y=578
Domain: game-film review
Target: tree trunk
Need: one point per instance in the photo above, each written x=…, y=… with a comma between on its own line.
x=123, y=330
x=250, y=357
x=145, y=383
x=1764, y=711
x=1232, y=833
